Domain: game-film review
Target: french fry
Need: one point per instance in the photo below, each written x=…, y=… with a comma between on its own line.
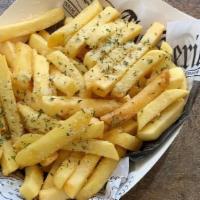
x=52, y=194
x=62, y=35
x=22, y=73
x=48, y=161
x=177, y=77
x=9, y=50
x=93, y=146
x=107, y=77
x=8, y=100
x=167, y=48
x=25, y=140
x=30, y=26
x=129, y=109
x=137, y=71
x=78, y=41
x=63, y=63
x=155, y=107
x=8, y=163
x=1, y=153
x=68, y=20
x=44, y=34
x=36, y=121
x=38, y=43
x=23, y=39
x=124, y=32
x=98, y=178
x=154, y=129
x=125, y=140
x=81, y=67
x=79, y=177
x=3, y=126
x=48, y=182
x=54, y=140
x=40, y=75
x=66, y=169
x=64, y=83
x=32, y=183
x=53, y=105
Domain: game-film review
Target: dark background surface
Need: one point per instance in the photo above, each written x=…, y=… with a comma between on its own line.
x=177, y=175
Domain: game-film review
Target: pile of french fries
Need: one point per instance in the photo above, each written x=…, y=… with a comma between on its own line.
x=73, y=102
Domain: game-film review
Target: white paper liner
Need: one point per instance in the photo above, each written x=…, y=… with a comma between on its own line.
x=179, y=33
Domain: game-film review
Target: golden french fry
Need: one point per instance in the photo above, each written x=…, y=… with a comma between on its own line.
x=68, y=20
x=36, y=121
x=48, y=183
x=54, y=105
x=40, y=75
x=80, y=66
x=177, y=77
x=38, y=43
x=8, y=163
x=9, y=50
x=8, y=100
x=54, y=140
x=78, y=41
x=22, y=73
x=79, y=177
x=155, y=107
x=137, y=71
x=30, y=26
x=98, y=178
x=167, y=48
x=154, y=129
x=3, y=126
x=93, y=146
x=52, y=194
x=64, y=64
x=48, y=161
x=66, y=169
x=62, y=35
x=64, y=83
x=25, y=140
x=23, y=39
x=32, y=183
x=44, y=34
x=130, y=109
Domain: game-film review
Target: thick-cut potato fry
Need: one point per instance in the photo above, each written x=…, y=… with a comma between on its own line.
x=137, y=71
x=154, y=129
x=48, y=183
x=64, y=64
x=93, y=146
x=66, y=169
x=22, y=73
x=25, y=140
x=62, y=35
x=38, y=43
x=23, y=39
x=48, y=161
x=54, y=140
x=78, y=41
x=155, y=107
x=81, y=67
x=36, y=121
x=79, y=177
x=167, y=48
x=8, y=100
x=124, y=32
x=9, y=50
x=64, y=83
x=130, y=109
x=52, y=194
x=54, y=105
x=8, y=163
x=98, y=178
x=30, y=26
x=32, y=183
x=125, y=140
x=177, y=77
x=40, y=75
x=68, y=20
x=44, y=34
